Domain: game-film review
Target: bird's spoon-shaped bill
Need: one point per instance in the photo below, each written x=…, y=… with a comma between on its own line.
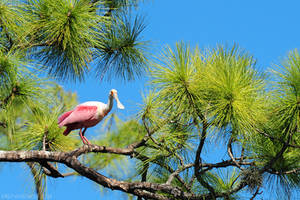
x=119, y=104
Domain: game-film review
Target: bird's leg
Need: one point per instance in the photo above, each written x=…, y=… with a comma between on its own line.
x=81, y=136
x=88, y=142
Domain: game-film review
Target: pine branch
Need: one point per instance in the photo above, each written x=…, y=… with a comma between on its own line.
x=69, y=174
x=229, y=151
x=50, y=170
x=163, y=165
x=292, y=171
x=256, y=193
x=226, y=163
x=143, y=189
x=197, y=160
x=176, y=173
x=140, y=189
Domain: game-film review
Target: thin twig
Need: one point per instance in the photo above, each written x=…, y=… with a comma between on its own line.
x=292, y=171
x=229, y=151
x=69, y=174
x=171, y=177
x=44, y=140
x=256, y=193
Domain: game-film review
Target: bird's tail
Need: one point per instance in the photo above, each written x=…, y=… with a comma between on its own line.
x=67, y=131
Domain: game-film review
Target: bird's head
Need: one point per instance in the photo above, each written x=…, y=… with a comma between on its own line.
x=114, y=94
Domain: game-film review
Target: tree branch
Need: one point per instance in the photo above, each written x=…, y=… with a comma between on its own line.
x=141, y=189
x=176, y=173
x=229, y=151
x=197, y=165
x=71, y=161
x=256, y=193
x=292, y=171
x=50, y=170
x=225, y=163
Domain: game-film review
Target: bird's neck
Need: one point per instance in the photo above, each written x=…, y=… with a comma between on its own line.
x=109, y=103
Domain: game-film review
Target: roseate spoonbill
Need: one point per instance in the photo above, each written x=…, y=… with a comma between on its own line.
x=87, y=114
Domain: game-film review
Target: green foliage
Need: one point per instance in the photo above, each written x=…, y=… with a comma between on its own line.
x=69, y=31
x=43, y=127
x=224, y=181
x=282, y=122
x=122, y=53
x=174, y=78
x=10, y=20
x=231, y=89
x=194, y=95
x=222, y=88
x=222, y=83
x=116, y=4
x=29, y=108
x=287, y=94
x=61, y=38
x=67, y=37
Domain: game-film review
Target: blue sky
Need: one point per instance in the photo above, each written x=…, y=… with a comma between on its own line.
x=267, y=29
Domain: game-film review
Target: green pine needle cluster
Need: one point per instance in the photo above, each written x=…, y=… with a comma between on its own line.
x=222, y=91
x=68, y=32
x=122, y=53
x=222, y=84
x=69, y=38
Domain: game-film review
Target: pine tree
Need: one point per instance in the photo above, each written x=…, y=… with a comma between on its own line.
x=198, y=100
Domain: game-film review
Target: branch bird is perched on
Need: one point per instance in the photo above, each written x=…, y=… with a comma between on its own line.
x=87, y=114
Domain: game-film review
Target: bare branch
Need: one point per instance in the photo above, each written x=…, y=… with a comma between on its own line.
x=175, y=173
x=225, y=163
x=197, y=165
x=69, y=174
x=292, y=171
x=44, y=140
x=129, y=151
x=229, y=151
x=141, y=189
x=256, y=193
x=50, y=170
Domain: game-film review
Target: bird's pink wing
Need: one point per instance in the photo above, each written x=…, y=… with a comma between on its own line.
x=64, y=116
x=80, y=114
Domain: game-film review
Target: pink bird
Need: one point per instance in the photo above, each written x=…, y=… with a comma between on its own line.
x=87, y=114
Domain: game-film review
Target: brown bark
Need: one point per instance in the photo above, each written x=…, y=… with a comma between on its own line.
x=141, y=189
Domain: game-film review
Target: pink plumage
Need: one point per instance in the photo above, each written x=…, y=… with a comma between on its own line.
x=83, y=116
x=87, y=115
